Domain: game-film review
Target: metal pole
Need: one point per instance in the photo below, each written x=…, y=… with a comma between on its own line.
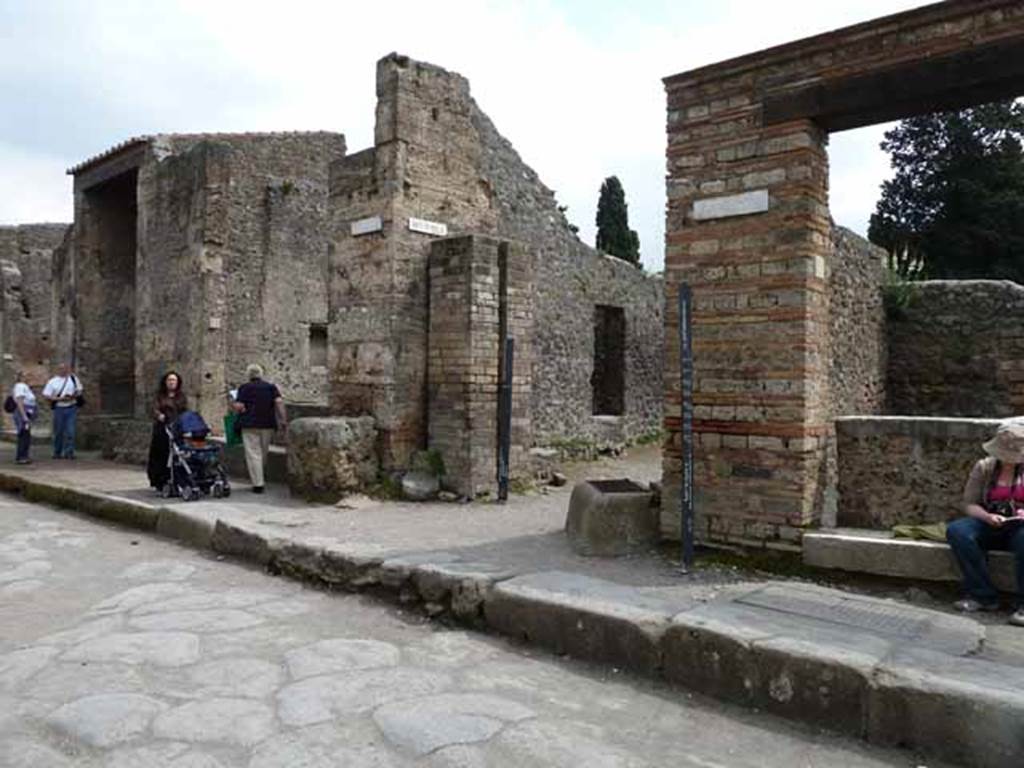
x=686, y=397
x=505, y=419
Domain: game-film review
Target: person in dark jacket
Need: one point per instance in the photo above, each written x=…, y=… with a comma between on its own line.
x=169, y=403
x=262, y=412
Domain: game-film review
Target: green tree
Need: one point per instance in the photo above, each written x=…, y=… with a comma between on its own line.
x=955, y=206
x=614, y=236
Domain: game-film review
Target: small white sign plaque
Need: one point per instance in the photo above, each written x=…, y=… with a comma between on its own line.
x=428, y=227
x=366, y=226
x=731, y=205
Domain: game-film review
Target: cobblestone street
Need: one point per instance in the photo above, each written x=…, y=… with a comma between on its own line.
x=124, y=650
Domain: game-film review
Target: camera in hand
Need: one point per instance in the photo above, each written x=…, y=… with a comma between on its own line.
x=1003, y=508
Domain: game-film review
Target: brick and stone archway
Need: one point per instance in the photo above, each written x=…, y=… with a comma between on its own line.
x=748, y=227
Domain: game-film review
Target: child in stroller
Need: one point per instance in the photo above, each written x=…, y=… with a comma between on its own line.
x=194, y=464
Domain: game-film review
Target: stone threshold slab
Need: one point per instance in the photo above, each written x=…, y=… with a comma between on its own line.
x=884, y=671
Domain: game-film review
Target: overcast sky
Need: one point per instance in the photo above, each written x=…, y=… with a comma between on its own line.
x=574, y=84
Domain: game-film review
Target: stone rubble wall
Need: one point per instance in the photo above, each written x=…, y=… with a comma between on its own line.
x=956, y=348
x=331, y=457
x=438, y=157
x=905, y=469
x=858, y=345
x=29, y=307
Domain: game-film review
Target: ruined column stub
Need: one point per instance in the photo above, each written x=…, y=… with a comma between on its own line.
x=747, y=144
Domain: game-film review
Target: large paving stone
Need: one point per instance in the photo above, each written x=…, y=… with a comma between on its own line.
x=163, y=649
x=319, y=699
x=215, y=620
x=584, y=617
x=158, y=570
x=967, y=711
x=423, y=725
x=157, y=593
x=106, y=719
x=801, y=651
x=322, y=746
x=194, y=600
x=221, y=720
x=236, y=678
x=18, y=666
x=23, y=752
x=338, y=655
x=26, y=570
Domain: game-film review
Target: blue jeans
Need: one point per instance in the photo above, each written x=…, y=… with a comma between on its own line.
x=970, y=539
x=24, y=434
x=64, y=432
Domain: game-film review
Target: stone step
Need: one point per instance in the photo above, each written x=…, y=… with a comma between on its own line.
x=860, y=550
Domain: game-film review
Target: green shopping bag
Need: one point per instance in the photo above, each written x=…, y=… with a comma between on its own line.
x=232, y=434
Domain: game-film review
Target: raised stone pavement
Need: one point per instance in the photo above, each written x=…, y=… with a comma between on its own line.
x=877, y=669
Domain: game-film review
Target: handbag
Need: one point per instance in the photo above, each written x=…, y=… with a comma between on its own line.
x=232, y=429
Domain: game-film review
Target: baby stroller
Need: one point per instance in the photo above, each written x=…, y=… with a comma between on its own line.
x=194, y=465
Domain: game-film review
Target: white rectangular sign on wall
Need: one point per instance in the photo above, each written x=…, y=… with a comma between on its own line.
x=731, y=205
x=428, y=227
x=366, y=226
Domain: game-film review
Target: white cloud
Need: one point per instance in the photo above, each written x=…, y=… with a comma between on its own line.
x=576, y=87
x=33, y=187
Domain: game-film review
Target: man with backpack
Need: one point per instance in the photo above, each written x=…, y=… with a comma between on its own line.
x=64, y=392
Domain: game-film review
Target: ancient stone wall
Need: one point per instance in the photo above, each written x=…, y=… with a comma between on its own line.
x=857, y=327
x=230, y=266
x=896, y=469
x=956, y=348
x=438, y=158
x=28, y=304
x=748, y=228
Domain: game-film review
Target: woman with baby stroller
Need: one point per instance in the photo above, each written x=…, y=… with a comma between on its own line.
x=169, y=404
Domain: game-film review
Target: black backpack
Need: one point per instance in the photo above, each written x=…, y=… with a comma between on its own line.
x=9, y=405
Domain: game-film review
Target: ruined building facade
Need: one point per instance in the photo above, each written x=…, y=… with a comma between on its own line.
x=379, y=283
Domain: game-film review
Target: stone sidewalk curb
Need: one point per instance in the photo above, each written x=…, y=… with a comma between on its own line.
x=952, y=707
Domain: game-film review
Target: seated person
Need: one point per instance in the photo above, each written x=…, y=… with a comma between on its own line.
x=994, y=504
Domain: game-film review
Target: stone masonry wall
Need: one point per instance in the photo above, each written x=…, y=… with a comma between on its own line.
x=857, y=326
x=956, y=349
x=438, y=157
x=230, y=266
x=896, y=469
x=27, y=304
x=748, y=228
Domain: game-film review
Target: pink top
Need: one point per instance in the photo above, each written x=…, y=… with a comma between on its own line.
x=1006, y=492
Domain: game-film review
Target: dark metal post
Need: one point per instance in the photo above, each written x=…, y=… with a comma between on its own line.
x=686, y=397
x=505, y=419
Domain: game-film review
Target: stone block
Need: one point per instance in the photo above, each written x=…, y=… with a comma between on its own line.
x=876, y=552
x=330, y=457
x=583, y=617
x=611, y=518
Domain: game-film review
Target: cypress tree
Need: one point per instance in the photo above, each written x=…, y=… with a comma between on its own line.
x=614, y=236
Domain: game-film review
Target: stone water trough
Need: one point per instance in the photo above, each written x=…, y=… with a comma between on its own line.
x=611, y=518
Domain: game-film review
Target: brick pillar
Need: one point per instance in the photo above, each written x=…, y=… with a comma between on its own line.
x=478, y=287
x=748, y=228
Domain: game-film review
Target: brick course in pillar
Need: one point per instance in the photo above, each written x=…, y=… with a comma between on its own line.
x=763, y=412
x=464, y=349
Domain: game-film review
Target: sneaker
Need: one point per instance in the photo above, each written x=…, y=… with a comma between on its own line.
x=1017, y=618
x=23, y=461
x=970, y=605
x=257, y=489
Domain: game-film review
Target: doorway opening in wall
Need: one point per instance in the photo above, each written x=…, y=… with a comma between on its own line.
x=608, y=380
x=110, y=249
x=317, y=345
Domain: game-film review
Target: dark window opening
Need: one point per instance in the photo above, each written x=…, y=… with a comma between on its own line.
x=609, y=378
x=317, y=345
